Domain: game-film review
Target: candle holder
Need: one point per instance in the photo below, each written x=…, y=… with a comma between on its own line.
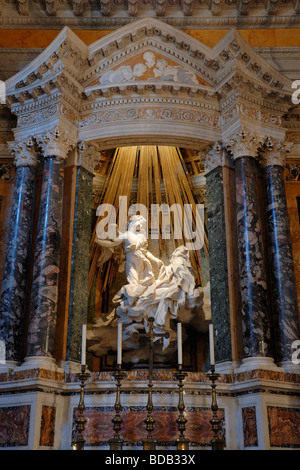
x=217, y=442
x=182, y=442
x=116, y=442
x=79, y=441
x=149, y=442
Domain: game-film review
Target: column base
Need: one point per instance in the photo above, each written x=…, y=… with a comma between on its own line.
x=5, y=366
x=258, y=362
x=291, y=367
x=226, y=367
x=38, y=362
x=71, y=367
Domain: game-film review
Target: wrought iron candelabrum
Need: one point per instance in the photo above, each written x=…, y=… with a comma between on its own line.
x=217, y=442
x=182, y=442
x=116, y=442
x=79, y=441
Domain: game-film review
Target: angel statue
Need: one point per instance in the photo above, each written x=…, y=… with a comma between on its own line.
x=165, y=292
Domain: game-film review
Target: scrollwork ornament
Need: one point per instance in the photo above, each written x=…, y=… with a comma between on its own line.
x=24, y=152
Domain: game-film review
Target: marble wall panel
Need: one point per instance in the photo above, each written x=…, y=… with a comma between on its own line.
x=14, y=426
x=47, y=426
x=99, y=427
x=284, y=426
x=249, y=426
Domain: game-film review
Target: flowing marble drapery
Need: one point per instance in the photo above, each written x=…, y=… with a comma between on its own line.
x=44, y=290
x=14, y=285
x=256, y=329
x=283, y=281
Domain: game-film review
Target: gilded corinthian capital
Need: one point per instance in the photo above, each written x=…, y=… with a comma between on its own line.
x=214, y=157
x=273, y=151
x=55, y=143
x=24, y=152
x=89, y=155
x=245, y=143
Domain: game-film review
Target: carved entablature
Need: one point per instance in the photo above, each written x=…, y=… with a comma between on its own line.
x=113, y=14
x=149, y=79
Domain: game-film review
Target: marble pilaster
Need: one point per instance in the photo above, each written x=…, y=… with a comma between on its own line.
x=14, y=285
x=82, y=229
x=44, y=291
x=253, y=284
x=220, y=309
x=283, y=282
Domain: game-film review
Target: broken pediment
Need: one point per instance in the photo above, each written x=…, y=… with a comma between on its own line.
x=147, y=75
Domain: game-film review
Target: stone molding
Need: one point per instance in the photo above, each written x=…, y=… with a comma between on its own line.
x=183, y=14
x=24, y=152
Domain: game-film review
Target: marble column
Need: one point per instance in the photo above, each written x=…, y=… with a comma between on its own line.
x=44, y=290
x=88, y=155
x=14, y=285
x=253, y=283
x=220, y=308
x=283, y=282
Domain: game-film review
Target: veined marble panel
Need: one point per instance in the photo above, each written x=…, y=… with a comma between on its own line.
x=14, y=427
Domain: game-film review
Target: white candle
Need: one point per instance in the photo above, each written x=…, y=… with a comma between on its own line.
x=83, y=345
x=119, y=359
x=179, y=342
x=211, y=345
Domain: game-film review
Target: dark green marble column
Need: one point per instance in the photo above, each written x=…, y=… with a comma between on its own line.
x=220, y=308
x=78, y=304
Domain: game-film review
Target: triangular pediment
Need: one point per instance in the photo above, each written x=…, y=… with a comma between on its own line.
x=150, y=66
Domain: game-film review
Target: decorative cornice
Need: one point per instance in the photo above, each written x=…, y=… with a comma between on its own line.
x=55, y=143
x=183, y=14
x=24, y=152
